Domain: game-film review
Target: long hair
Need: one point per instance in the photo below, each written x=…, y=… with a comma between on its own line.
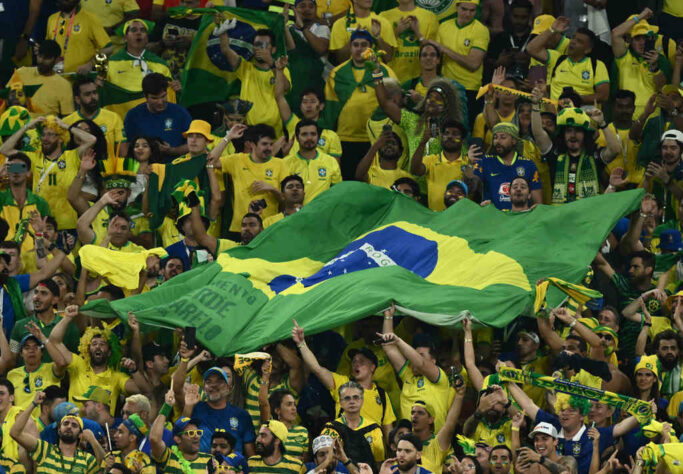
x=453, y=105
x=100, y=148
x=153, y=142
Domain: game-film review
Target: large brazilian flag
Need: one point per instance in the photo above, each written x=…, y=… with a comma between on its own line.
x=207, y=76
x=357, y=247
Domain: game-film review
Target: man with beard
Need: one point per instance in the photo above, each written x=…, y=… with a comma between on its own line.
x=54, y=167
x=270, y=451
x=667, y=346
x=329, y=458
x=379, y=166
x=665, y=179
x=215, y=412
x=259, y=77
x=80, y=35
x=490, y=423
x=408, y=455
x=126, y=438
x=544, y=436
x=497, y=171
x=443, y=168
x=53, y=94
x=292, y=189
x=45, y=297
x=185, y=456
x=90, y=368
x=65, y=456
x=573, y=435
x=319, y=170
x=455, y=191
x=520, y=192
x=88, y=101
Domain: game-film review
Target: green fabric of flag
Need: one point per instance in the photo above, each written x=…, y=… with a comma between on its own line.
x=207, y=76
x=356, y=248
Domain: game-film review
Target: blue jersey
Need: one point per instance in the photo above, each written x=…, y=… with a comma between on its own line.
x=496, y=177
x=167, y=125
x=580, y=446
x=233, y=419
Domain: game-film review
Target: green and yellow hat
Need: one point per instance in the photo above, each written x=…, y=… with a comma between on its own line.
x=13, y=119
x=123, y=29
x=610, y=331
x=574, y=117
x=182, y=190
x=118, y=172
x=649, y=363
x=643, y=28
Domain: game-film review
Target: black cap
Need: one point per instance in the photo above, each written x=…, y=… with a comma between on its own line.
x=152, y=350
x=367, y=353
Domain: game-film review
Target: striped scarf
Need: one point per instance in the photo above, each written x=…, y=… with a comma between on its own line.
x=586, y=184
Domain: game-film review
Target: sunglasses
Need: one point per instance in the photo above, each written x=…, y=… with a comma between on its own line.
x=27, y=384
x=193, y=433
x=606, y=337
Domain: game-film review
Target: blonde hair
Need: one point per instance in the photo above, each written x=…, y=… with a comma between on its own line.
x=141, y=402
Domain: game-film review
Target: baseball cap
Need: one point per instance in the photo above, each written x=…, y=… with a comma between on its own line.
x=235, y=460
x=365, y=352
x=362, y=34
x=530, y=334
x=28, y=337
x=63, y=409
x=427, y=407
x=672, y=135
x=323, y=441
x=278, y=429
x=544, y=428
x=180, y=425
x=95, y=394
x=457, y=182
x=217, y=370
x=542, y=23
x=670, y=239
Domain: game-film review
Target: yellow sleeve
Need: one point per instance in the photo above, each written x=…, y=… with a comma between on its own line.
x=601, y=75
x=339, y=37
x=339, y=380
x=336, y=173
x=478, y=130
x=290, y=126
x=429, y=161
x=99, y=35
x=243, y=69
x=481, y=38
x=226, y=163
x=130, y=6
x=378, y=445
x=330, y=93
x=118, y=129
x=387, y=31
x=334, y=145
x=553, y=56
x=600, y=141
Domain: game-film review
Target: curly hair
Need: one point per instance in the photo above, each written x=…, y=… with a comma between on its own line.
x=113, y=341
x=453, y=105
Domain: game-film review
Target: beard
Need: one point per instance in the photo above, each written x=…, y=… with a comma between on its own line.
x=406, y=466
x=68, y=438
x=518, y=201
x=451, y=146
x=503, y=150
x=265, y=450
x=668, y=363
x=98, y=357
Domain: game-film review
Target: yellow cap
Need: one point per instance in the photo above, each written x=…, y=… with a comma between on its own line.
x=201, y=127
x=542, y=23
x=644, y=28
x=670, y=299
x=278, y=429
x=476, y=2
x=648, y=363
x=424, y=405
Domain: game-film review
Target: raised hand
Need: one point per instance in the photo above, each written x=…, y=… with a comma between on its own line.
x=561, y=24
x=71, y=311
x=498, y=75
x=616, y=178
x=297, y=333
x=133, y=323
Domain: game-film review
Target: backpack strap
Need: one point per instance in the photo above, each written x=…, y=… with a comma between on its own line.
x=383, y=400
x=367, y=429
x=557, y=63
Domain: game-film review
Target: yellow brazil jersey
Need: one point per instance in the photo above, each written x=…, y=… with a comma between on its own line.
x=533, y=153
x=286, y=465
x=80, y=36
x=12, y=466
x=51, y=181
x=318, y=174
x=433, y=457
x=82, y=378
x=257, y=87
x=168, y=232
x=560, y=48
x=374, y=127
x=110, y=12
x=54, y=96
x=673, y=8
x=372, y=402
x=384, y=375
x=50, y=460
x=331, y=7
x=38, y=380
x=243, y=172
x=340, y=36
x=348, y=86
x=406, y=60
x=268, y=221
x=375, y=437
x=225, y=244
x=500, y=433
x=419, y=387
x=10, y=448
x=99, y=226
x=170, y=464
x=327, y=143
x=439, y=173
x=297, y=442
x=136, y=460
x=382, y=177
x=109, y=122
x=461, y=39
x=627, y=157
x=674, y=404
x=540, y=365
x=577, y=75
x=634, y=75
x=481, y=130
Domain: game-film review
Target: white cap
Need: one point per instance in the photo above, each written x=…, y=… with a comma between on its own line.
x=672, y=135
x=530, y=334
x=321, y=442
x=544, y=428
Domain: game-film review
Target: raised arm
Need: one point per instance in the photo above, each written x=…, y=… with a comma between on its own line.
x=279, y=92
x=23, y=437
x=323, y=374
x=58, y=362
x=599, y=263
x=85, y=233
x=156, y=432
x=9, y=146
x=584, y=331
x=232, y=57
x=619, y=46
x=445, y=434
x=523, y=400
x=74, y=194
x=389, y=344
x=296, y=373
x=89, y=437
x=235, y=132
x=417, y=166
x=87, y=140
x=389, y=107
x=198, y=229
x=425, y=366
x=613, y=147
x=281, y=81
x=49, y=269
x=537, y=46
x=57, y=333
x=263, y=403
x=626, y=425
x=550, y=337
x=365, y=163
x=540, y=135
x=473, y=372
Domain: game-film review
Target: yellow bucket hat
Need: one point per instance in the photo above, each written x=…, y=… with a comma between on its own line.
x=644, y=28
x=669, y=301
x=201, y=127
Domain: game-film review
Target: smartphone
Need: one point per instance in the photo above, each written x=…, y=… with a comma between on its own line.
x=650, y=42
x=378, y=342
x=477, y=141
x=17, y=168
x=190, y=337
x=536, y=74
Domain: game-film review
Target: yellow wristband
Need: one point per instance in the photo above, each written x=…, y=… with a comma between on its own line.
x=184, y=359
x=514, y=428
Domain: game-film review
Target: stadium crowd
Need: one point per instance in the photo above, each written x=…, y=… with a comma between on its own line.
x=508, y=103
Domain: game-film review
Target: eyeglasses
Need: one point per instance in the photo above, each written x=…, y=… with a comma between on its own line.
x=193, y=433
x=27, y=384
x=348, y=398
x=606, y=337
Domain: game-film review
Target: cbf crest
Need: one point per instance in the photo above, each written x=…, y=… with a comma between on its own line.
x=269, y=173
x=585, y=75
x=168, y=123
x=520, y=171
x=322, y=172
x=234, y=423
